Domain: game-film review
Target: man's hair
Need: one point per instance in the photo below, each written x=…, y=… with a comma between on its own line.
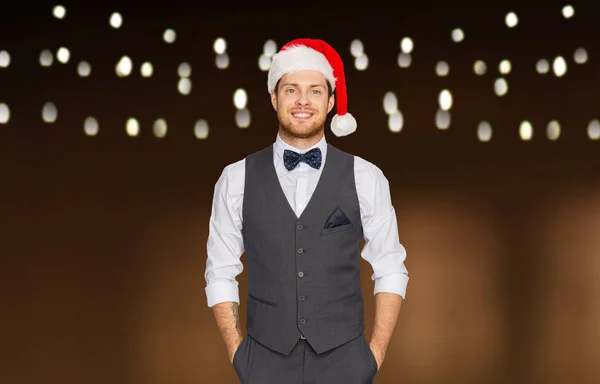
x=329, y=90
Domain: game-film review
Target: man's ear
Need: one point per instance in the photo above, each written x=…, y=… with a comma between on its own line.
x=274, y=99
x=331, y=103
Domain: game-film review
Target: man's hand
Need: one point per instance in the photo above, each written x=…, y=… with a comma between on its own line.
x=379, y=355
x=233, y=350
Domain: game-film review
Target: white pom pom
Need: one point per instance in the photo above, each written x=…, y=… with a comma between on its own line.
x=343, y=125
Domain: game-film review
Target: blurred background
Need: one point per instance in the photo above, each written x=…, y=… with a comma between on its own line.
x=116, y=120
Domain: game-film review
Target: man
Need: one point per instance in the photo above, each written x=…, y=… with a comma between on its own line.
x=299, y=209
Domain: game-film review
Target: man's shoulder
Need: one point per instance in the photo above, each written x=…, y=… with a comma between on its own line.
x=358, y=160
x=235, y=169
x=366, y=170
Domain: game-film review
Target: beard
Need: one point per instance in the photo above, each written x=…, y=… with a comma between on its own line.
x=304, y=130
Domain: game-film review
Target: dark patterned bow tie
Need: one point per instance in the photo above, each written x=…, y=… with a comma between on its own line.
x=312, y=158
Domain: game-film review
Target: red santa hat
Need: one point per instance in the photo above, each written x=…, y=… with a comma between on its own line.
x=316, y=55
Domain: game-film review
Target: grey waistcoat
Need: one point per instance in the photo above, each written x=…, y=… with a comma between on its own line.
x=303, y=279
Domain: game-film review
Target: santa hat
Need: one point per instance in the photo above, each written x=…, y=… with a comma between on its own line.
x=316, y=55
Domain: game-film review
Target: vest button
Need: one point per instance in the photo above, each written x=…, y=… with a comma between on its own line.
x=301, y=274
x=302, y=298
x=300, y=226
x=300, y=250
x=302, y=321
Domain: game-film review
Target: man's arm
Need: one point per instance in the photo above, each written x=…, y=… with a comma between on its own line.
x=383, y=251
x=387, y=308
x=224, y=247
x=228, y=322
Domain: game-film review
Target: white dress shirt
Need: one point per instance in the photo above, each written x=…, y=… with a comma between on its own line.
x=225, y=244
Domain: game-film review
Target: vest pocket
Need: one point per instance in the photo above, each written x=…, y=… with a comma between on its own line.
x=342, y=298
x=267, y=302
x=341, y=228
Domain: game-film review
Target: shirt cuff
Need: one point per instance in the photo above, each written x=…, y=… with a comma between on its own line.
x=222, y=291
x=395, y=283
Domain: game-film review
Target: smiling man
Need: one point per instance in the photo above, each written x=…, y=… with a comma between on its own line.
x=299, y=209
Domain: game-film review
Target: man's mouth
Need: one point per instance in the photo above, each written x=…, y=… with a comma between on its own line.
x=302, y=115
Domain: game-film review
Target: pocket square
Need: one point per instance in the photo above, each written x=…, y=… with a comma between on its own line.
x=337, y=219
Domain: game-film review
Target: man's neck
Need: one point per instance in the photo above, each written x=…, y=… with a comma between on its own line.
x=298, y=142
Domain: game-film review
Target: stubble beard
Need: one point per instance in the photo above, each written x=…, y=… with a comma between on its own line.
x=287, y=126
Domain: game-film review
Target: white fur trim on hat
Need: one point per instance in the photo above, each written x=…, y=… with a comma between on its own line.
x=299, y=58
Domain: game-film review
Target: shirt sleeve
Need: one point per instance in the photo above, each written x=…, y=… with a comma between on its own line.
x=225, y=243
x=382, y=248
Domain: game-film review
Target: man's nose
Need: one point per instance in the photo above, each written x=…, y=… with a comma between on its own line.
x=303, y=99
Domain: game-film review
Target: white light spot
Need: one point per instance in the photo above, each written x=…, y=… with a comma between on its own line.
x=160, y=128
x=240, y=98
x=442, y=119
x=553, y=130
x=201, y=129
x=146, y=69
x=442, y=68
x=270, y=48
x=361, y=62
x=390, y=103
x=580, y=56
x=184, y=70
x=220, y=46
x=242, y=118
x=4, y=113
x=90, y=126
x=4, y=59
x=511, y=19
x=526, y=130
x=396, y=121
x=484, y=131
x=356, y=48
x=63, y=55
x=445, y=100
x=59, y=11
x=222, y=61
x=500, y=86
x=132, y=127
x=46, y=58
x=542, y=66
x=184, y=86
x=264, y=62
x=49, y=112
x=169, y=36
x=124, y=67
x=84, y=69
x=594, y=130
x=505, y=67
x=407, y=45
x=458, y=35
x=480, y=68
x=404, y=60
x=568, y=11
x=116, y=20
x=559, y=66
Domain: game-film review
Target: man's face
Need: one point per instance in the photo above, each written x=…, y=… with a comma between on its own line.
x=302, y=103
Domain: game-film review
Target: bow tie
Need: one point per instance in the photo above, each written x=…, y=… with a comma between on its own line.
x=312, y=158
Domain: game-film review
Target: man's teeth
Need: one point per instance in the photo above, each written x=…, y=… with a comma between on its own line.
x=301, y=115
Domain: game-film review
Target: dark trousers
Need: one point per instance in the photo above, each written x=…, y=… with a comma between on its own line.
x=350, y=363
